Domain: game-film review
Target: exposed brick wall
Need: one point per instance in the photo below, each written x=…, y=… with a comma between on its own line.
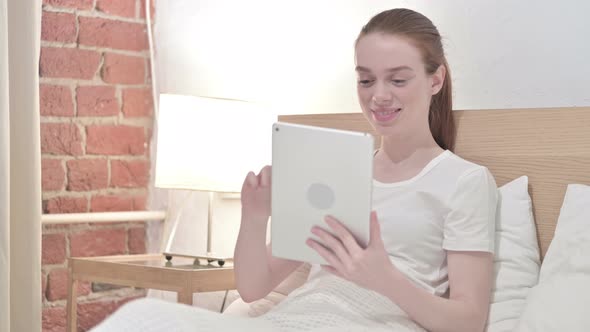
x=96, y=119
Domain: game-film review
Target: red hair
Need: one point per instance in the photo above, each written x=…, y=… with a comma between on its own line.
x=422, y=33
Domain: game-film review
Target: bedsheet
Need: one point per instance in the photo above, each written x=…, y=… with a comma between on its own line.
x=329, y=304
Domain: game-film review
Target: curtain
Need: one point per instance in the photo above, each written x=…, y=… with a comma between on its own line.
x=20, y=166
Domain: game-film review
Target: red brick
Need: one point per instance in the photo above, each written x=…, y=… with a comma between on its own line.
x=129, y=174
x=150, y=133
x=87, y=174
x=53, y=249
x=139, y=202
x=124, y=8
x=54, y=319
x=57, y=285
x=55, y=100
x=137, y=102
x=61, y=139
x=105, y=203
x=98, y=242
x=95, y=31
x=123, y=69
x=64, y=62
x=136, y=238
x=142, y=9
x=79, y=4
x=115, y=140
x=96, y=101
x=53, y=175
x=149, y=72
x=58, y=27
x=98, y=287
x=67, y=205
x=92, y=313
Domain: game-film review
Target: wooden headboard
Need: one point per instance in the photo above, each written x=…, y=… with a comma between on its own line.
x=551, y=146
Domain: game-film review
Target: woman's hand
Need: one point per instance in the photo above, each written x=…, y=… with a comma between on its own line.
x=369, y=267
x=256, y=196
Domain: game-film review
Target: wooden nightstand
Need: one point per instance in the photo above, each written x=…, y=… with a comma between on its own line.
x=147, y=271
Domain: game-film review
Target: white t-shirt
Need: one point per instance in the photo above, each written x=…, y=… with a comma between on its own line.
x=449, y=205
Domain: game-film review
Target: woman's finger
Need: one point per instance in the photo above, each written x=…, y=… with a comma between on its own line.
x=250, y=180
x=375, y=229
x=332, y=243
x=328, y=255
x=352, y=247
x=265, y=176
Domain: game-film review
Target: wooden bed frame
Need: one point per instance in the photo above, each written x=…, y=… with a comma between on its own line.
x=551, y=146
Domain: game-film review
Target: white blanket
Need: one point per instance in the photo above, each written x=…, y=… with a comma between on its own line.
x=324, y=304
x=152, y=315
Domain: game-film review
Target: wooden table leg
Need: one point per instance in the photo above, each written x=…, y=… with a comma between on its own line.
x=186, y=297
x=72, y=305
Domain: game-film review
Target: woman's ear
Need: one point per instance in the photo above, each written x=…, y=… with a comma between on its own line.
x=438, y=79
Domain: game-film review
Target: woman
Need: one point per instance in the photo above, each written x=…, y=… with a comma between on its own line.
x=432, y=232
x=428, y=264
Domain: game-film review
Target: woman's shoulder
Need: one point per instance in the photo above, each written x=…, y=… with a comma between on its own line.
x=469, y=173
x=457, y=171
x=458, y=166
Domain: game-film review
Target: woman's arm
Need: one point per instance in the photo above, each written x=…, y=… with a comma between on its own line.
x=470, y=279
x=257, y=271
x=466, y=309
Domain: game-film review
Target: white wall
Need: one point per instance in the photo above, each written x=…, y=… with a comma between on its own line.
x=298, y=55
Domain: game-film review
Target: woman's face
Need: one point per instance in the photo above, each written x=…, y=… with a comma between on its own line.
x=393, y=87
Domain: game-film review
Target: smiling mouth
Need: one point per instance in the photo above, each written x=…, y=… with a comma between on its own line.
x=385, y=115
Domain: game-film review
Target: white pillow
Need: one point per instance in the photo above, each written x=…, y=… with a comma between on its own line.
x=517, y=259
x=561, y=300
x=573, y=227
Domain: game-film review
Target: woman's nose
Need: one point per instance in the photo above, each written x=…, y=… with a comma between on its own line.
x=382, y=95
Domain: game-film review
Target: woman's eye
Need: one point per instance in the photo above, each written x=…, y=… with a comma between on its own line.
x=365, y=82
x=399, y=82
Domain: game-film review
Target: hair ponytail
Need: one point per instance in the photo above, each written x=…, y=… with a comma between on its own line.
x=440, y=115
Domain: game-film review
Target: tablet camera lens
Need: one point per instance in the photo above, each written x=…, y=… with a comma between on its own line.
x=320, y=196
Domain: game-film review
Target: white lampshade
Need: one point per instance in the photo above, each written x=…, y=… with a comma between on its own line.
x=210, y=144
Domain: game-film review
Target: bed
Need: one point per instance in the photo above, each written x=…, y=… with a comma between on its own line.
x=551, y=146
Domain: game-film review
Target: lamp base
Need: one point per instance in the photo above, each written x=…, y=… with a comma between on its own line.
x=209, y=257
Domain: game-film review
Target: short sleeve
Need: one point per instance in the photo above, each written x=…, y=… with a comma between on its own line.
x=470, y=223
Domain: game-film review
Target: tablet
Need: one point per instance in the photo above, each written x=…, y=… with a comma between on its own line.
x=317, y=172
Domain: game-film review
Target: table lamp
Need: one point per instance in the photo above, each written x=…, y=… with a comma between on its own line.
x=209, y=144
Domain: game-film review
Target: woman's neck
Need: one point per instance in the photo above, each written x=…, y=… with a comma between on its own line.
x=403, y=149
x=399, y=160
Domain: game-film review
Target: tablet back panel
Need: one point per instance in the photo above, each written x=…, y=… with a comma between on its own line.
x=317, y=172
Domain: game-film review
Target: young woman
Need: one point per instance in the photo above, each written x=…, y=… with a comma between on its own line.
x=428, y=264
x=432, y=231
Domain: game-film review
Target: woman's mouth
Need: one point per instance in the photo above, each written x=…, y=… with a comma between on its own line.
x=385, y=115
